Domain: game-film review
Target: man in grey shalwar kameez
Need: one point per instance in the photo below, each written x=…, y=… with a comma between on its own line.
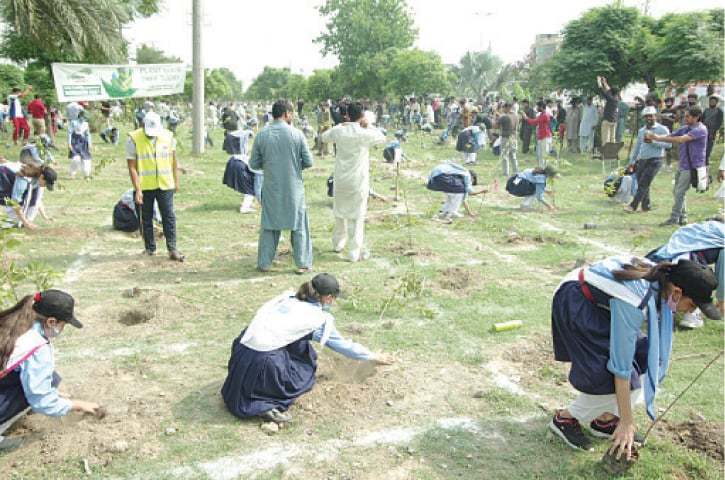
x=573, y=118
x=280, y=150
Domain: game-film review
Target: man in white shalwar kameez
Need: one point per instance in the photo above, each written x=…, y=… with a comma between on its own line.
x=352, y=180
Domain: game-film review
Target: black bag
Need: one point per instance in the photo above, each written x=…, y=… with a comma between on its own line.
x=520, y=187
x=389, y=154
x=124, y=219
x=330, y=186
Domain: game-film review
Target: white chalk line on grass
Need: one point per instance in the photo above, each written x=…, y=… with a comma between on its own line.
x=283, y=454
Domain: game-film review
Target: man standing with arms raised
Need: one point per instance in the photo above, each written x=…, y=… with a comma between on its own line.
x=280, y=150
x=151, y=157
x=352, y=180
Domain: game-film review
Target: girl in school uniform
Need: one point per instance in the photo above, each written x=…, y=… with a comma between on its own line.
x=457, y=183
x=531, y=185
x=597, y=317
x=273, y=362
x=79, y=146
x=28, y=379
x=237, y=175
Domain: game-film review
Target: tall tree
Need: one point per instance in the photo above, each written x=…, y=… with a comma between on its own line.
x=688, y=47
x=322, y=85
x=273, y=83
x=600, y=42
x=416, y=72
x=362, y=28
x=478, y=72
x=147, y=54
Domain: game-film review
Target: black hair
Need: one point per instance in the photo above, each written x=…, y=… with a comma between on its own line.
x=16, y=89
x=307, y=292
x=355, y=111
x=280, y=107
x=540, y=104
x=695, y=112
x=474, y=177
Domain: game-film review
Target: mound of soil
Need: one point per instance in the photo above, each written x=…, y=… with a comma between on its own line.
x=456, y=279
x=705, y=437
x=136, y=316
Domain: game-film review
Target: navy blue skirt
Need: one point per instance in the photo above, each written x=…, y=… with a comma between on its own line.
x=12, y=396
x=260, y=381
x=581, y=332
x=448, y=183
x=79, y=145
x=239, y=177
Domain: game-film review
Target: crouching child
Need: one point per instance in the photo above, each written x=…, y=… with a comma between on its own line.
x=457, y=183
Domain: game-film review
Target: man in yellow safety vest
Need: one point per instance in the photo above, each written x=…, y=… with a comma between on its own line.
x=151, y=157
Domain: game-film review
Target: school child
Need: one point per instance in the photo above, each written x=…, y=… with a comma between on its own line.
x=126, y=213
x=531, y=185
x=28, y=380
x=470, y=141
x=273, y=362
x=702, y=242
x=20, y=183
x=597, y=317
x=457, y=183
x=79, y=146
x=237, y=175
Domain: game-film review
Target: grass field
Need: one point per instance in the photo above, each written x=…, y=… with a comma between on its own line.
x=459, y=403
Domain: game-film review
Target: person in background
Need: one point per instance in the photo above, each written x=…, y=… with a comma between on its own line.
x=609, y=115
x=543, y=132
x=237, y=174
x=37, y=111
x=79, y=146
x=72, y=110
x=19, y=182
x=17, y=115
x=622, y=112
x=280, y=152
x=589, y=121
x=692, y=139
x=351, y=190
x=573, y=119
x=712, y=118
x=667, y=118
x=647, y=156
x=457, y=183
x=561, y=123
x=507, y=124
x=324, y=123
x=28, y=380
x=597, y=316
x=526, y=129
x=272, y=361
x=154, y=172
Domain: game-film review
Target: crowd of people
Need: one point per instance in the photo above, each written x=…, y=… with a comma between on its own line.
x=597, y=312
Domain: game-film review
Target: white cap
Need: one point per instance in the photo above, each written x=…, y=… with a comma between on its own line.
x=649, y=111
x=152, y=124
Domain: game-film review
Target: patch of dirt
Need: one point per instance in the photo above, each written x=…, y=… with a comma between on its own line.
x=149, y=306
x=404, y=249
x=457, y=279
x=136, y=316
x=702, y=436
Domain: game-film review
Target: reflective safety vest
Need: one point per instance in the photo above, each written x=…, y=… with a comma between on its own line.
x=155, y=162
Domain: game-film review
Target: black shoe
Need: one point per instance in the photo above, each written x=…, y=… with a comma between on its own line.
x=276, y=416
x=571, y=432
x=682, y=222
x=150, y=253
x=669, y=222
x=176, y=256
x=606, y=430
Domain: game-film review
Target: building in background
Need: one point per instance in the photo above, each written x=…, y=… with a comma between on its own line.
x=545, y=46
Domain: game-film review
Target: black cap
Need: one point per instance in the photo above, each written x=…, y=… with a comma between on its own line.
x=50, y=177
x=326, y=284
x=697, y=282
x=57, y=304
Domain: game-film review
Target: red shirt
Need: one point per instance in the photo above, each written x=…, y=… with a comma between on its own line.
x=543, y=125
x=37, y=109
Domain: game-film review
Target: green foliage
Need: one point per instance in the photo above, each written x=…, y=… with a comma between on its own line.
x=11, y=76
x=146, y=54
x=689, y=47
x=600, y=42
x=477, y=73
x=414, y=71
x=16, y=276
x=322, y=84
x=275, y=83
x=364, y=28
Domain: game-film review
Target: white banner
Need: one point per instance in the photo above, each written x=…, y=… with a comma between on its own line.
x=78, y=81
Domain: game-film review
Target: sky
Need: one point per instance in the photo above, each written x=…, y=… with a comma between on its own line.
x=238, y=34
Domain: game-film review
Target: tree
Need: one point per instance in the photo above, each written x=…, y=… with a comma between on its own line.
x=10, y=76
x=600, y=42
x=478, y=72
x=416, y=72
x=147, y=54
x=363, y=28
x=274, y=83
x=322, y=85
x=688, y=47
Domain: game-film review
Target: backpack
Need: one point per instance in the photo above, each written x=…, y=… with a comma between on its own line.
x=465, y=142
x=124, y=219
x=520, y=187
x=613, y=182
x=389, y=153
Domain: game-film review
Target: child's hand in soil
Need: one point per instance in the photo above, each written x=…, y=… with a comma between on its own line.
x=85, y=407
x=622, y=439
x=383, y=359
